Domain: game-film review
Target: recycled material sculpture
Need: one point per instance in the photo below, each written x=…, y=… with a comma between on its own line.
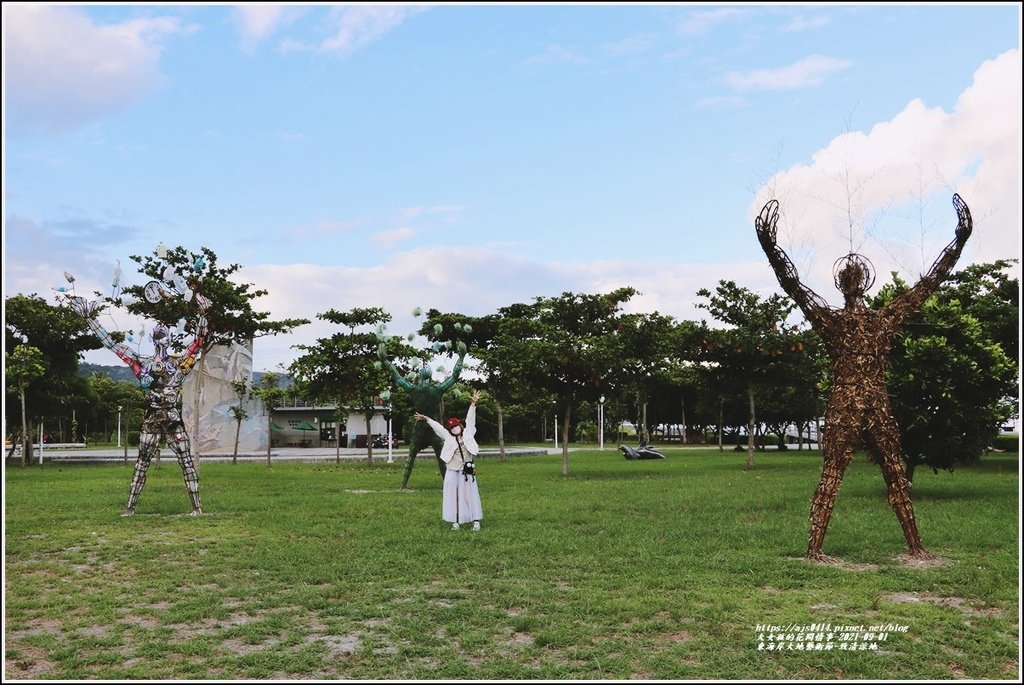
x=858, y=340
x=426, y=398
x=161, y=377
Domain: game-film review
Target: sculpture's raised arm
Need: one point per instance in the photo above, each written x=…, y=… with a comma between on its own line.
x=456, y=370
x=911, y=301
x=766, y=225
x=382, y=354
x=201, y=331
x=87, y=310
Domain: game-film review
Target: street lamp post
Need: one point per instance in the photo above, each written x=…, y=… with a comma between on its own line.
x=119, y=426
x=386, y=397
x=600, y=422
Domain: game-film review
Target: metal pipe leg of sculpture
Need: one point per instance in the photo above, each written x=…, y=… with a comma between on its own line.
x=899, y=500
x=825, y=498
x=148, y=443
x=188, y=470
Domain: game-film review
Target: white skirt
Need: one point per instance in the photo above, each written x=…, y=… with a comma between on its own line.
x=461, y=500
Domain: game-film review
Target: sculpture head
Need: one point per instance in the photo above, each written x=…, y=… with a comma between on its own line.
x=853, y=276
x=454, y=426
x=161, y=336
x=424, y=375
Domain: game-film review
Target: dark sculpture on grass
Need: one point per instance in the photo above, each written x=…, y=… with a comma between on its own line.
x=426, y=396
x=644, y=451
x=858, y=341
x=161, y=377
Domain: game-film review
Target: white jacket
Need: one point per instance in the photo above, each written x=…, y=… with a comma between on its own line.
x=450, y=451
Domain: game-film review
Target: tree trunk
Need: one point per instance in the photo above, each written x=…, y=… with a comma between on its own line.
x=910, y=466
x=682, y=417
x=26, y=441
x=369, y=438
x=337, y=431
x=750, y=427
x=645, y=437
x=721, y=415
x=270, y=434
x=565, y=439
x=238, y=432
x=501, y=430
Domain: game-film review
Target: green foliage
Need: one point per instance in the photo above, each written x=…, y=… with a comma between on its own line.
x=951, y=381
x=231, y=315
x=566, y=347
x=758, y=354
x=60, y=336
x=1006, y=443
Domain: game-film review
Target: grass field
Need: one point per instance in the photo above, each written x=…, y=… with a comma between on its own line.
x=621, y=570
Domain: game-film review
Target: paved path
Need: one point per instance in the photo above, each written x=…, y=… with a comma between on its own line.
x=92, y=456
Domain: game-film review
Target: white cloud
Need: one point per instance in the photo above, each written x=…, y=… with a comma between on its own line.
x=721, y=102
x=630, y=45
x=810, y=71
x=801, y=23
x=391, y=238
x=257, y=21
x=558, y=54
x=61, y=70
x=473, y=281
x=356, y=26
x=702, y=22
x=886, y=193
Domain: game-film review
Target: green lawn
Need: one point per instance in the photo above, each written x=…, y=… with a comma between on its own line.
x=621, y=570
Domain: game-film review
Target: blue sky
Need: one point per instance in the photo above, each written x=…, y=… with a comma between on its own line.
x=466, y=157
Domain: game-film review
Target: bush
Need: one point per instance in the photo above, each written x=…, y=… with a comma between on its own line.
x=1006, y=443
x=133, y=438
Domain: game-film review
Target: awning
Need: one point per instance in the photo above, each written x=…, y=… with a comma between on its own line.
x=276, y=426
x=303, y=426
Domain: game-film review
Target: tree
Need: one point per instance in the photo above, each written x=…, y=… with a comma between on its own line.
x=749, y=352
x=22, y=367
x=243, y=390
x=647, y=342
x=231, y=316
x=112, y=395
x=60, y=337
x=344, y=369
x=270, y=392
x=565, y=346
x=951, y=380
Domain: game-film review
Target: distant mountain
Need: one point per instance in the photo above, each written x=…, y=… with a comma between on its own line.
x=123, y=373
x=120, y=372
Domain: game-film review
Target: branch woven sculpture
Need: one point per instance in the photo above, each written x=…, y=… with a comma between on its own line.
x=858, y=341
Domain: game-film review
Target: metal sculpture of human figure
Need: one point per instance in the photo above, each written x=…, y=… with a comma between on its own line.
x=426, y=399
x=858, y=340
x=161, y=377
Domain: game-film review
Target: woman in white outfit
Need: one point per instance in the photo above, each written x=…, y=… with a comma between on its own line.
x=461, y=501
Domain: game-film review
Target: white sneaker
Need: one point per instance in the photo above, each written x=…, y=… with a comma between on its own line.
x=476, y=525
x=455, y=526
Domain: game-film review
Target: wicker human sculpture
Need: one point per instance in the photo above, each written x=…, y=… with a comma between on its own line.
x=161, y=377
x=426, y=398
x=858, y=340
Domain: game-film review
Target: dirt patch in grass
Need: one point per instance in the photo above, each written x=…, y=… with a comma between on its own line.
x=908, y=561
x=836, y=562
x=958, y=603
x=29, y=664
x=37, y=626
